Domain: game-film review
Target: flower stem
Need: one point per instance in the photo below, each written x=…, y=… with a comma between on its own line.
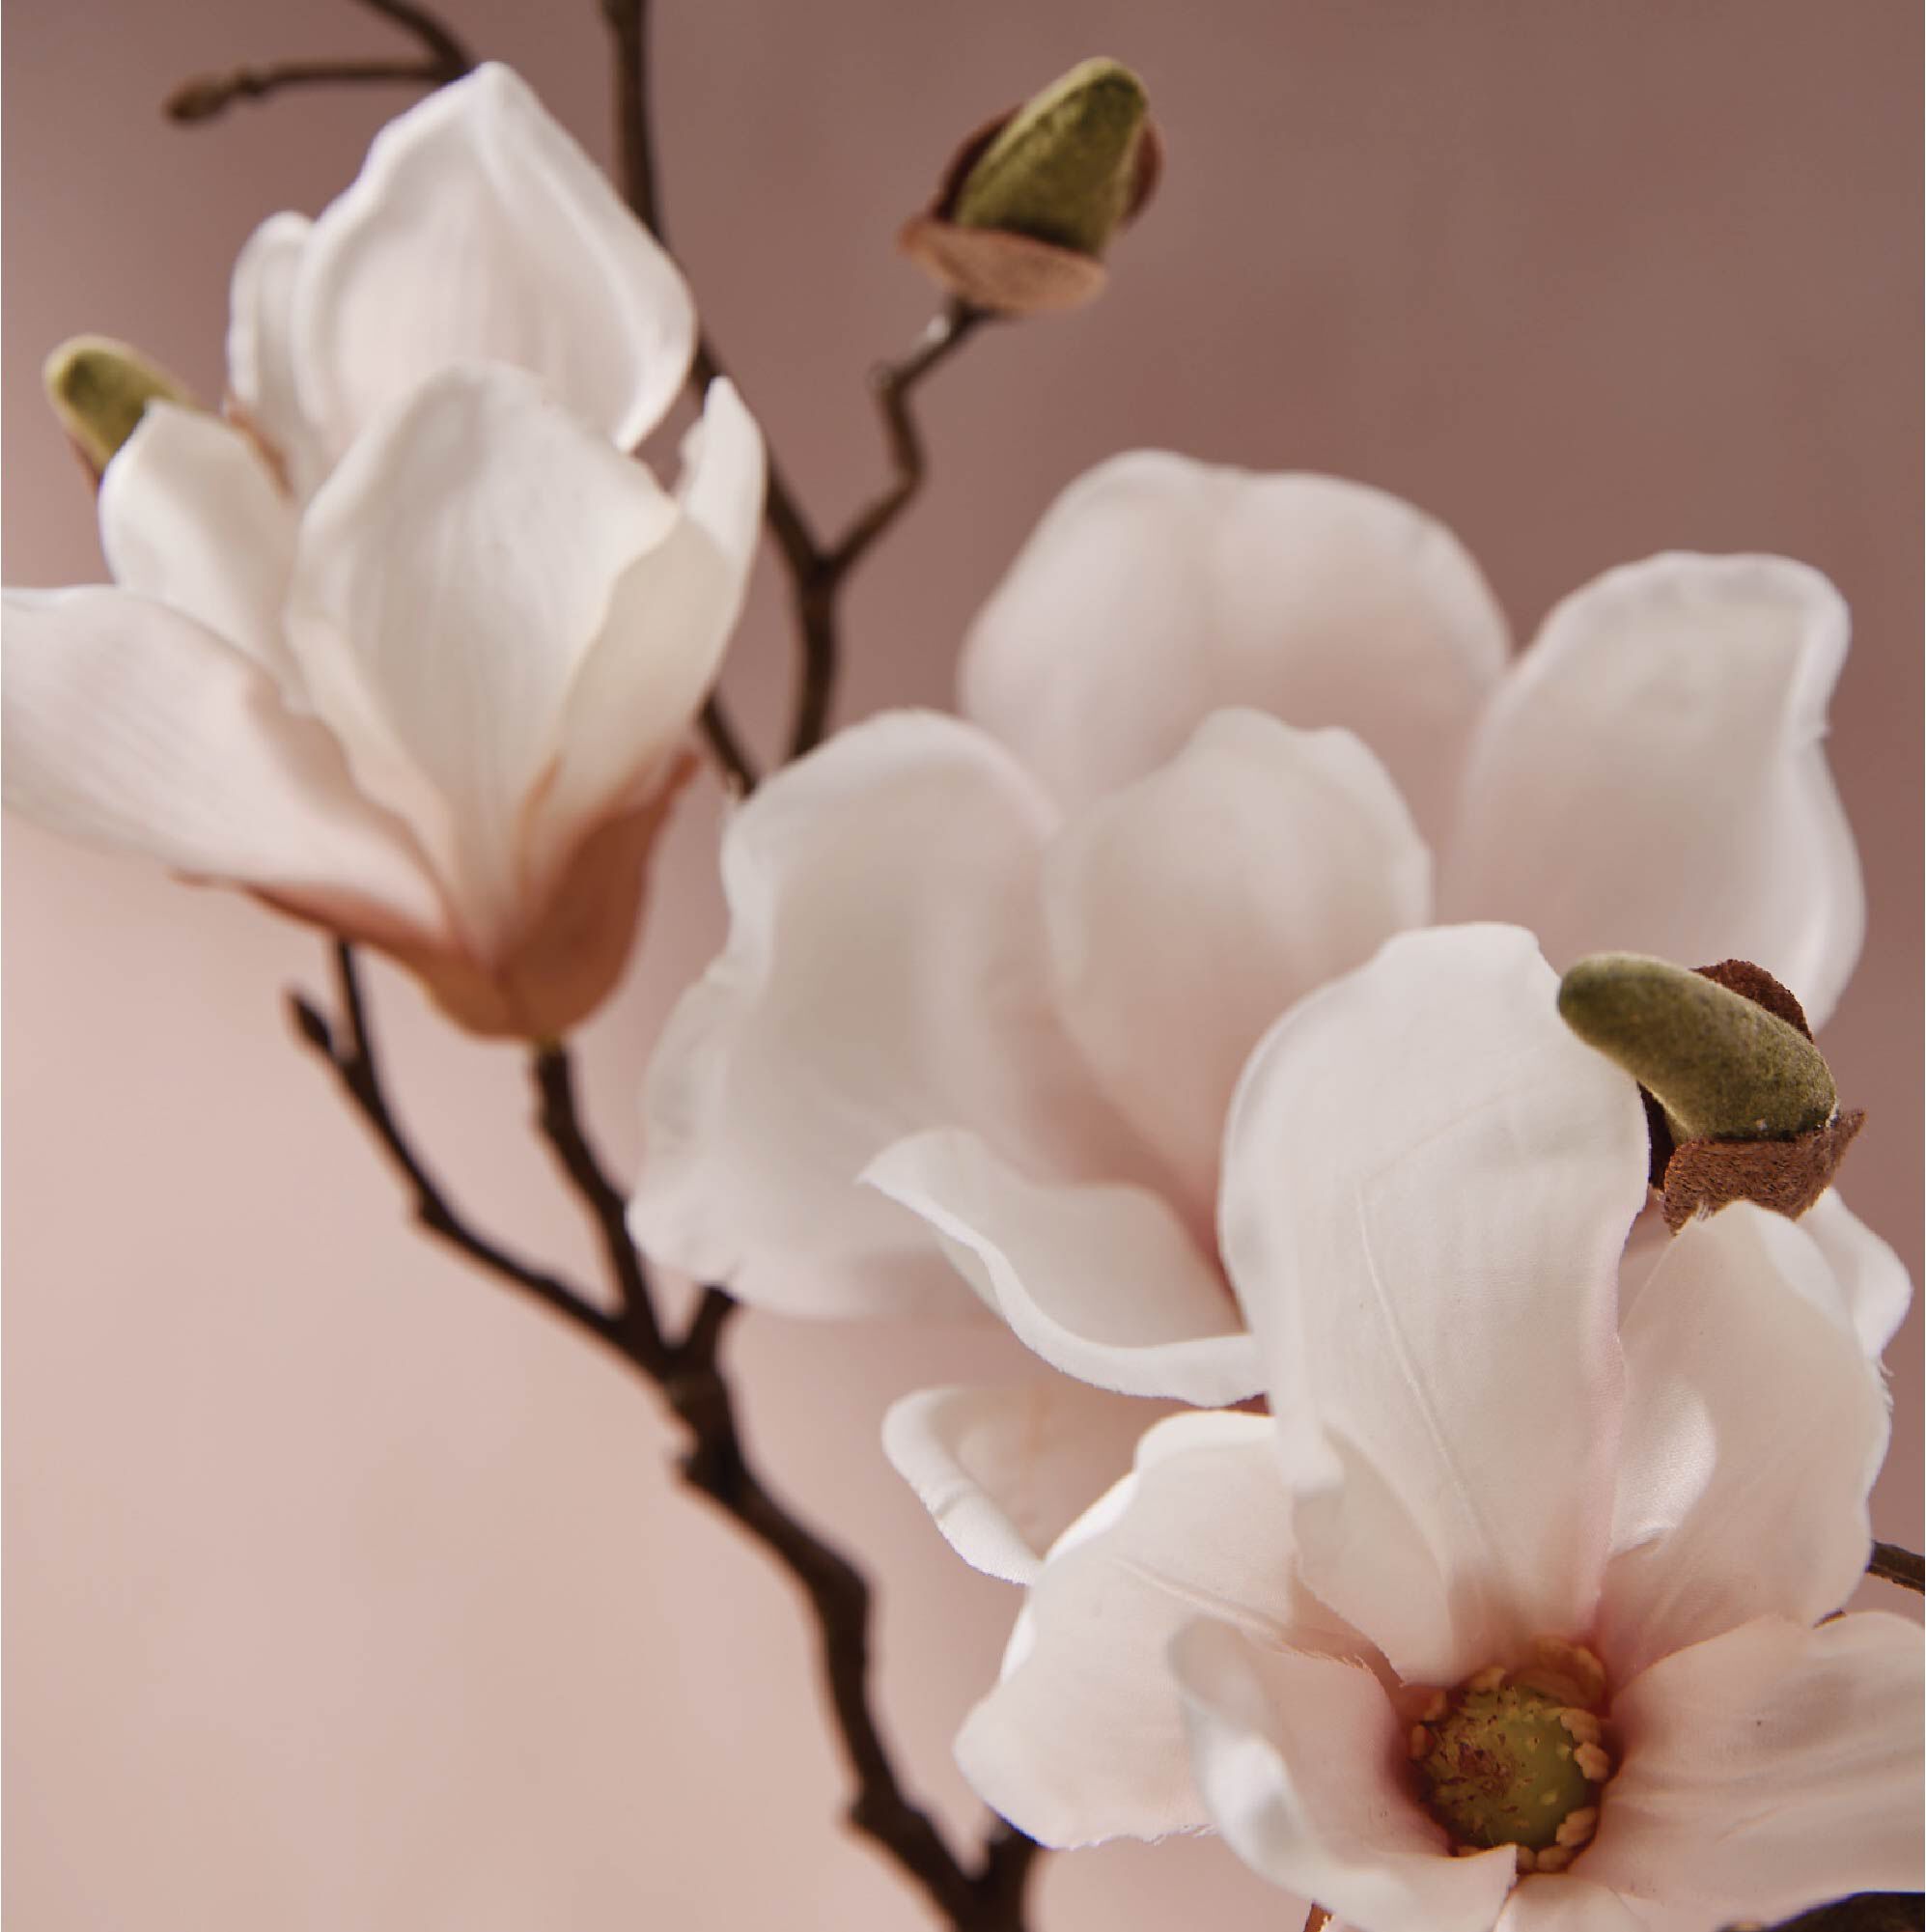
x=1897, y=1565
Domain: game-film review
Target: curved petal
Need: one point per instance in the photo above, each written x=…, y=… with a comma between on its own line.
x=1100, y=1277
x=1083, y=1739
x=1724, y=1513
x=1158, y=590
x=1872, y=1277
x=262, y=383
x=638, y=687
x=1004, y=1471
x=1187, y=911
x=451, y=575
x=1769, y=1770
x=1298, y=1759
x=1428, y=1182
x=884, y=973
x=190, y=517
x=478, y=231
x=1565, y=1902
x=128, y=725
x=1652, y=777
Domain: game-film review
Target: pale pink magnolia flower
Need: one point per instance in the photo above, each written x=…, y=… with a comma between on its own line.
x=1499, y=1443
x=1221, y=731
x=413, y=652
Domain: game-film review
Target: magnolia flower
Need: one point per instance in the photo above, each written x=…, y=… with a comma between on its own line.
x=440, y=711
x=1221, y=733
x=476, y=230
x=409, y=650
x=1506, y=1613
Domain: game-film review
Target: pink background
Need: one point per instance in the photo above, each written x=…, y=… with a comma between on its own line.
x=343, y=1593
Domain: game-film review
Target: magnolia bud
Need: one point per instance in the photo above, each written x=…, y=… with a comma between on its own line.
x=1745, y=1105
x=1030, y=201
x=99, y=389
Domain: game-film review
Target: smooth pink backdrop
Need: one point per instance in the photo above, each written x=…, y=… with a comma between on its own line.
x=340, y=1590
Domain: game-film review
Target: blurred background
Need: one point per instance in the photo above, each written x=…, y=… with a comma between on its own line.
x=341, y=1591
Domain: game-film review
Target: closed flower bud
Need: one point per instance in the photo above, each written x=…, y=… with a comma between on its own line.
x=1742, y=1103
x=99, y=389
x=1031, y=201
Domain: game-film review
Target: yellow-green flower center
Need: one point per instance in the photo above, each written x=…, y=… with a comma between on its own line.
x=1512, y=1764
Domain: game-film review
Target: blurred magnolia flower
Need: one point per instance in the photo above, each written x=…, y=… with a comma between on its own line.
x=476, y=230
x=1221, y=730
x=440, y=709
x=1505, y=1614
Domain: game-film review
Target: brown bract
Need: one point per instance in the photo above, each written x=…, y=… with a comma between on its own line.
x=1699, y=1177
x=1007, y=273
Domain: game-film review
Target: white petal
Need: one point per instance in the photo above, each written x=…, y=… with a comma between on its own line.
x=479, y=231
x=1769, y=1770
x=1083, y=1739
x=1187, y=911
x=189, y=516
x=884, y=973
x=1428, y=1182
x=129, y=726
x=1004, y=1471
x=452, y=573
x=1652, y=777
x=1158, y=590
x=1755, y=1425
x=639, y=686
x=1872, y=1277
x=260, y=345
x=1298, y=1759
x=1565, y=1902
x=1100, y=1278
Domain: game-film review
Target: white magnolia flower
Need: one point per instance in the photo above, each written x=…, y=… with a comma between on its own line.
x=1223, y=729
x=1508, y=1617
x=409, y=649
x=440, y=711
x=476, y=230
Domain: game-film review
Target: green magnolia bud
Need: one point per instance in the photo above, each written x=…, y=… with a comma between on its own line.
x=1719, y=1065
x=1064, y=166
x=99, y=389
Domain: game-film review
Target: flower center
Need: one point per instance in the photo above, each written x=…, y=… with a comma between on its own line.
x=1517, y=1760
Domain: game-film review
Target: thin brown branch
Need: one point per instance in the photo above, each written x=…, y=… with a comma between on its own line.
x=443, y=58
x=349, y=1049
x=725, y=744
x=1898, y=1565
x=1863, y=1912
x=1316, y=1920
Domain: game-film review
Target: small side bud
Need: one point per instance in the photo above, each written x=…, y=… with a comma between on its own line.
x=99, y=389
x=1719, y=1063
x=1064, y=166
x=1739, y=1102
x=1028, y=205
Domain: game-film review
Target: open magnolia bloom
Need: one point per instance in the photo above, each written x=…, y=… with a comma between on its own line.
x=440, y=709
x=1508, y=1613
x=1221, y=732
x=476, y=230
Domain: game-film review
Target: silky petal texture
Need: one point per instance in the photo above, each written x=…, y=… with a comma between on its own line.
x=1301, y=1765
x=1872, y=1277
x=1652, y=777
x=190, y=517
x=1083, y=1739
x=477, y=230
x=1755, y=1425
x=1004, y=1471
x=884, y=973
x=263, y=386
x=451, y=577
x=1099, y=1279
x=1187, y=911
x=1158, y=590
x=128, y=725
x=1769, y=1770
x=637, y=689
x=1565, y=1902
x=1428, y=1182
